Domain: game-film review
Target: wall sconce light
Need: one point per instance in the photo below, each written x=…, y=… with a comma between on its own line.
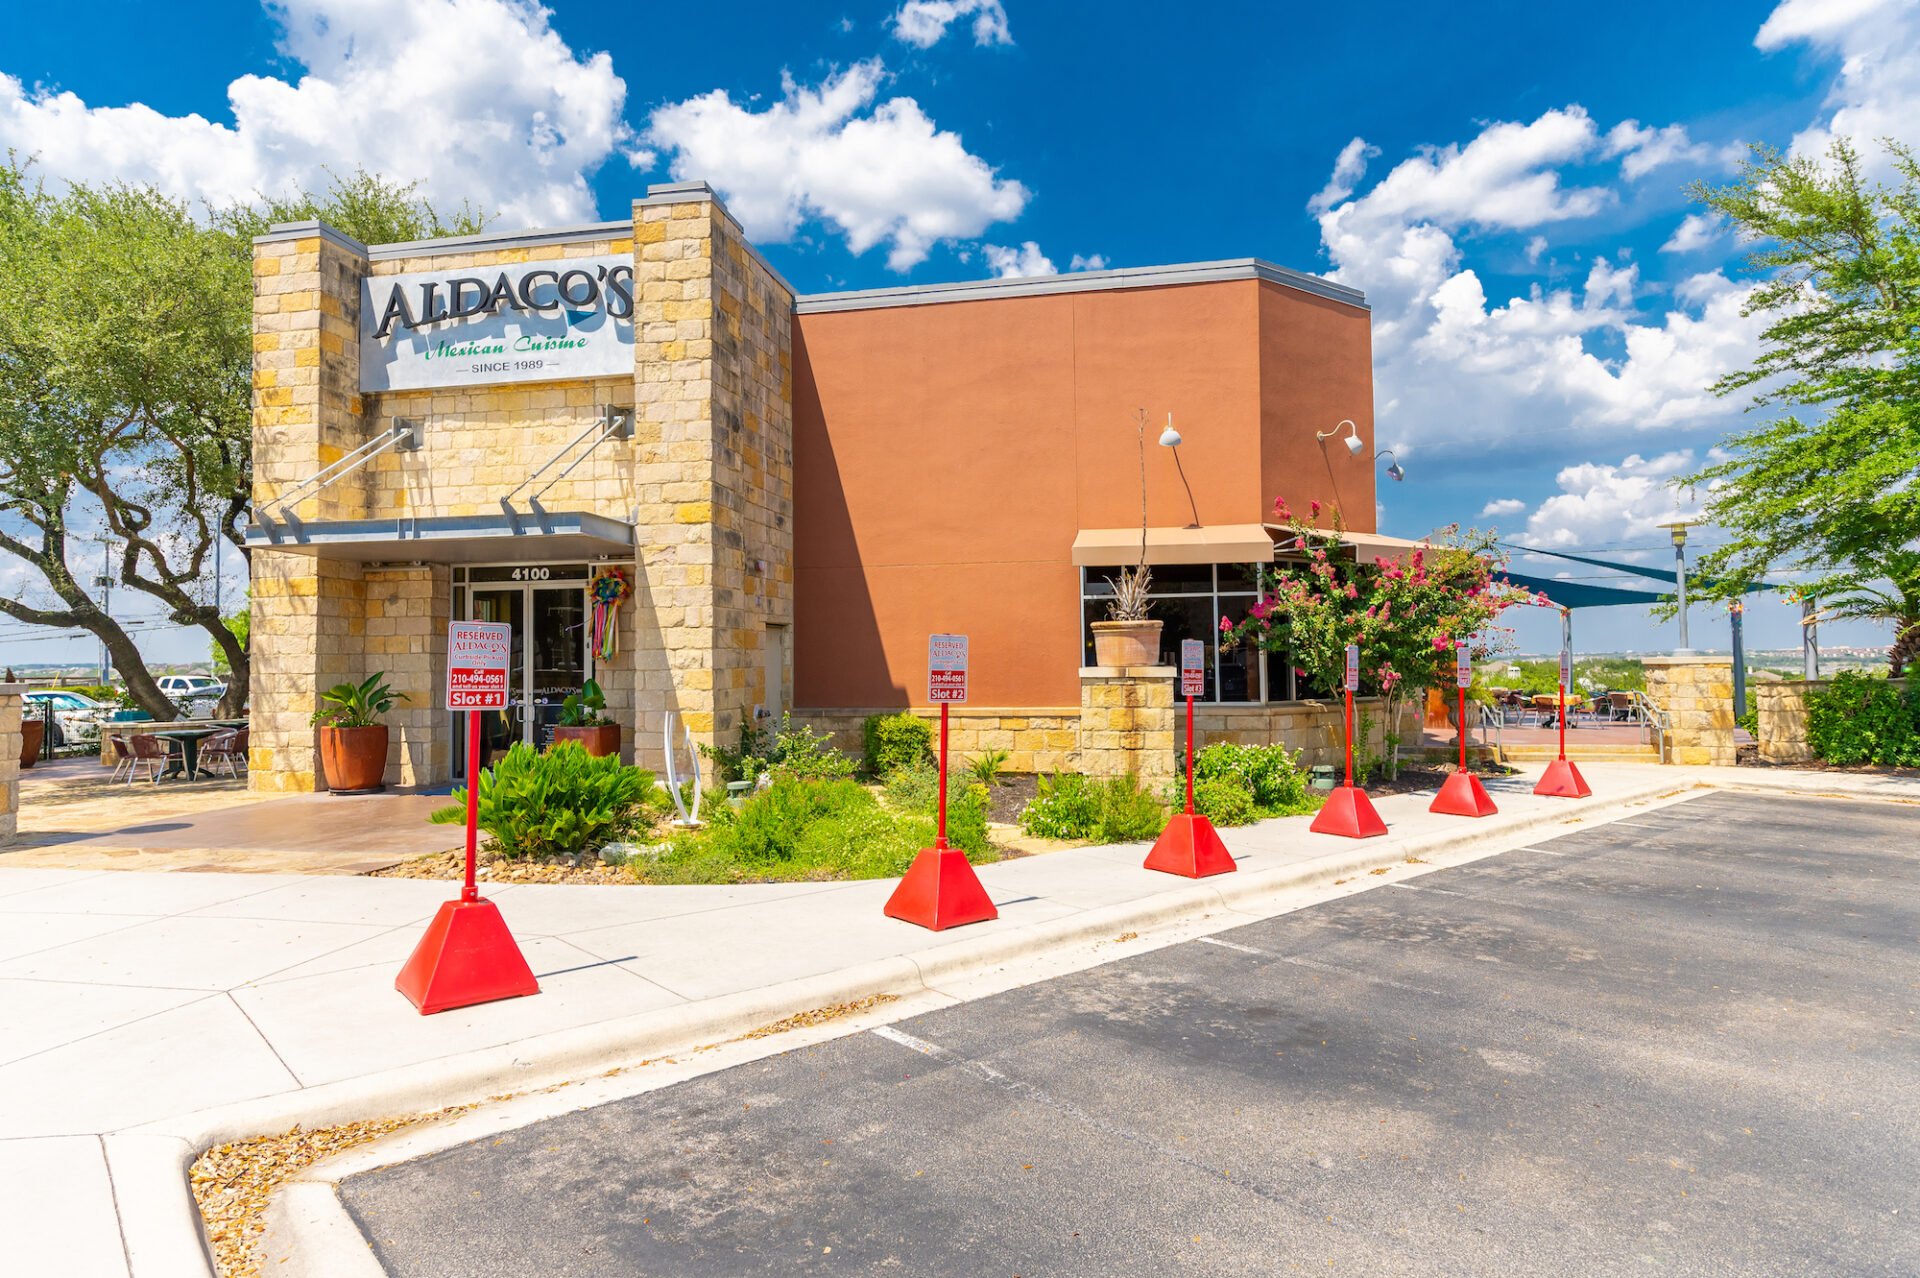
x=1394, y=472
x=1353, y=441
x=1170, y=438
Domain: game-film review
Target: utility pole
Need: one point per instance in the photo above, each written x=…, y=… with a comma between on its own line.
x=1739, y=662
x=104, y=583
x=1809, y=638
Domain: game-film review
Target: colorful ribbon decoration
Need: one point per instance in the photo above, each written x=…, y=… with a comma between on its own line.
x=609, y=590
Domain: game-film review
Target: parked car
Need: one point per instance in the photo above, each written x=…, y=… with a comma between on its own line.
x=180, y=688
x=76, y=716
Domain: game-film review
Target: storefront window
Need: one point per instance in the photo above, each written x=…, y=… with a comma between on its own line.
x=1189, y=600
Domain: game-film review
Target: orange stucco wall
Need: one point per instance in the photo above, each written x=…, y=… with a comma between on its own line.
x=945, y=456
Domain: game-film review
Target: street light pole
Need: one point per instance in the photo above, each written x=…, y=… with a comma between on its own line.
x=1739, y=662
x=1679, y=530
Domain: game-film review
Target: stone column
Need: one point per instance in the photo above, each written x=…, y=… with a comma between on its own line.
x=10, y=706
x=1696, y=695
x=307, y=412
x=713, y=438
x=406, y=637
x=1128, y=722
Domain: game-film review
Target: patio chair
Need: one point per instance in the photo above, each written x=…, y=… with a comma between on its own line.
x=1620, y=708
x=122, y=757
x=225, y=749
x=149, y=752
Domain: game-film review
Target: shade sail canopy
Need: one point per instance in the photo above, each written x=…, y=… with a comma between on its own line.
x=1579, y=594
x=1638, y=570
x=1217, y=544
x=451, y=539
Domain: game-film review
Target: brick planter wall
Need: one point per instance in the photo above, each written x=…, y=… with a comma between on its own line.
x=1782, y=710
x=10, y=704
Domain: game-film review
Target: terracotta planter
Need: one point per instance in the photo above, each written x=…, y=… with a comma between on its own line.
x=599, y=742
x=1126, y=643
x=355, y=758
x=31, y=732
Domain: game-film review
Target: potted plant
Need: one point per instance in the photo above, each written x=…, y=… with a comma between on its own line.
x=583, y=719
x=353, y=742
x=1128, y=637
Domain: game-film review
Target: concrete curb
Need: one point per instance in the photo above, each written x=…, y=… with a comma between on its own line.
x=164, y=1233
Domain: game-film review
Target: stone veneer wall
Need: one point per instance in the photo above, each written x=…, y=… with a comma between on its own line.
x=405, y=635
x=1315, y=729
x=1782, y=710
x=713, y=431
x=1042, y=739
x=1127, y=721
x=10, y=743
x=1048, y=739
x=1696, y=694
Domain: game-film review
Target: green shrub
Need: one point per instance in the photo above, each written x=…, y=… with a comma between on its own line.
x=1071, y=806
x=804, y=828
x=1067, y=806
x=1128, y=812
x=1751, y=722
x=562, y=802
x=1222, y=800
x=1856, y=720
x=791, y=746
x=986, y=768
x=1269, y=774
x=891, y=741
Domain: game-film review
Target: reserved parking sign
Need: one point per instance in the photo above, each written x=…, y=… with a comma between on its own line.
x=1462, y=666
x=478, y=656
x=946, y=668
x=1353, y=667
x=1193, y=668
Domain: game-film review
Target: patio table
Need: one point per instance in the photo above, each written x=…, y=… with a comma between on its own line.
x=190, y=739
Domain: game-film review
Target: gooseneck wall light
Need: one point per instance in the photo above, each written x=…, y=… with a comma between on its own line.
x=1170, y=438
x=1394, y=472
x=1353, y=441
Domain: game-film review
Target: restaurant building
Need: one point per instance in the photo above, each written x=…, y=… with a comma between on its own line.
x=722, y=500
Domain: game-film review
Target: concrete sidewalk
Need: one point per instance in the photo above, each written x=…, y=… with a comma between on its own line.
x=144, y=1016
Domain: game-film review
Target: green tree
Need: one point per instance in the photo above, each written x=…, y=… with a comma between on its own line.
x=125, y=393
x=1405, y=616
x=1828, y=494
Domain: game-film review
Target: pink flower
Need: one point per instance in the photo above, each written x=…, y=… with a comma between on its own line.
x=1440, y=644
x=1315, y=507
x=1352, y=593
x=1225, y=625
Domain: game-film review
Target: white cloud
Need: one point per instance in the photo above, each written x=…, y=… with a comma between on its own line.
x=1584, y=358
x=1348, y=168
x=1014, y=263
x=477, y=99
x=1877, y=93
x=1535, y=247
x=923, y=23
x=1647, y=149
x=1605, y=504
x=1696, y=231
x=878, y=173
x=1502, y=506
x=1090, y=262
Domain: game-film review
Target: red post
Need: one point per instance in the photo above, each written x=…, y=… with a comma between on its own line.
x=1463, y=729
x=1189, y=754
x=940, y=834
x=1349, y=738
x=1563, y=720
x=471, y=892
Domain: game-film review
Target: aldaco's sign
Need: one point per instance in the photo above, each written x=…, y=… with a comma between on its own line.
x=530, y=322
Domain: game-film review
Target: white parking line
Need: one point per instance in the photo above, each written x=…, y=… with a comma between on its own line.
x=1229, y=945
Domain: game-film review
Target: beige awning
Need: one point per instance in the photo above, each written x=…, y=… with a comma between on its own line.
x=1368, y=548
x=1218, y=544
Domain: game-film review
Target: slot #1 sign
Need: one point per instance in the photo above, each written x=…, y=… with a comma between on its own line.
x=478, y=656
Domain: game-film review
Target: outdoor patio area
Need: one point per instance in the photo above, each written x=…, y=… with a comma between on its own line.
x=73, y=815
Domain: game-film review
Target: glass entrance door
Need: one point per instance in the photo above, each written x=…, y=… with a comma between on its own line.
x=548, y=662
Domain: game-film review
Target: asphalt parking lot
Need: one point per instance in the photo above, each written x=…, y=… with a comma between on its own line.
x=1679, y=1044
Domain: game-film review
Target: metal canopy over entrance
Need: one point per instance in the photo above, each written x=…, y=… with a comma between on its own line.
x=545, y=536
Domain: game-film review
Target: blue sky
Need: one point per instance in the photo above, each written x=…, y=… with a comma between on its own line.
x=1504, y=180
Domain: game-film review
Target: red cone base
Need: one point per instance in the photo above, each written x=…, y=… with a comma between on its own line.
x=940, y=891
x=1463, y=795
x=466, y=957
x=1563, y=781
x=1349, y=812
x=1191, y=848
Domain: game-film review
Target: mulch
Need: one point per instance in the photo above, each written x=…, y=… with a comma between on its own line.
x=1009, y=798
